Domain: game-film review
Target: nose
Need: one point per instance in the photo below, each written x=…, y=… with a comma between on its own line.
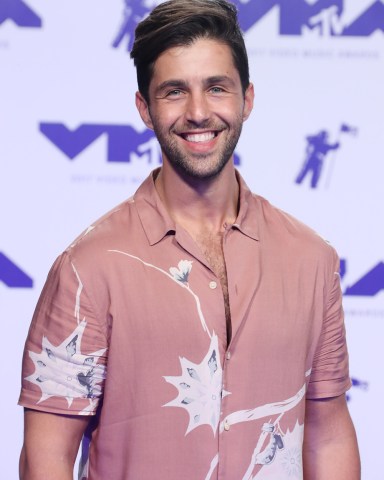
x=197, y=108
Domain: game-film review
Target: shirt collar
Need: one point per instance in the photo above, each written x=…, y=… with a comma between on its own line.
x=157, y=223
x=247, y=220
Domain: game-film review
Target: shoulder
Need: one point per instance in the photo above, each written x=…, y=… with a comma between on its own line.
x=90, y=253
x=113, y=227
x=289, y=234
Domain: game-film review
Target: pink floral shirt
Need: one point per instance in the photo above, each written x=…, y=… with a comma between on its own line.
x=130, y=329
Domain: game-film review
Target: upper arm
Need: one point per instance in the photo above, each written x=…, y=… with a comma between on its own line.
x=50, y=445
x=328, y=415
x=330, y=443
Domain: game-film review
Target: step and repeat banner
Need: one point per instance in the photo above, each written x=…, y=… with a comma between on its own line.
x=72, y=146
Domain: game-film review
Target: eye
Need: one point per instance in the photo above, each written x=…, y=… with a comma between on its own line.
x=174, y=93
x=216, y=89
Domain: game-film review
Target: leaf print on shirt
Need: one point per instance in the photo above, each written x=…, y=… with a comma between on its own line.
x=200, y=389
x=288, y=460
x=272, y=441
x=179, y=275
x=64, y=371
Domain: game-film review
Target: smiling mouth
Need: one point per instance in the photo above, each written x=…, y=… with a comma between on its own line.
x=199, y=137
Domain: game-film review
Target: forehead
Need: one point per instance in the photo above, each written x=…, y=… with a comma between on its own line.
x=203, y=58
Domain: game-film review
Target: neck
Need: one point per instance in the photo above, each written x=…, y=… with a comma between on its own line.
x=200, y=204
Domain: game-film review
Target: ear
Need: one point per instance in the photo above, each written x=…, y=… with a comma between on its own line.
x=143, y=108
x=248, y=101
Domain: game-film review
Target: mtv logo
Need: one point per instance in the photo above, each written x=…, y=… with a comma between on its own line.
x=20, y=13
x=12, y=275
x=324, y=16
x=124, y=143
x=369, y=285
x=295, y=17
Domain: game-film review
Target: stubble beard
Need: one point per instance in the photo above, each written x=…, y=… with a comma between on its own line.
x=198, y=166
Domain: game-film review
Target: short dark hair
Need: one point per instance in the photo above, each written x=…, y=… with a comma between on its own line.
x=181, y=22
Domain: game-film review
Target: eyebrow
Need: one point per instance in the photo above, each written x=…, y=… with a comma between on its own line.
x=171, y=84
x=217, y=79
x=178, y=83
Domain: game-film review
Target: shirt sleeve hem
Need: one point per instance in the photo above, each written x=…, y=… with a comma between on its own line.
x=319, y=392
x=59, y=411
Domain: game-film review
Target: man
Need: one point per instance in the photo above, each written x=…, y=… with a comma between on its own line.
x=197, y=326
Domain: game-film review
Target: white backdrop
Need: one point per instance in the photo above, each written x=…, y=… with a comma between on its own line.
x=72, y=146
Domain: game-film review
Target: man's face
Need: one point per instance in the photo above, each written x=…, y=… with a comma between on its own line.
x=197, y=107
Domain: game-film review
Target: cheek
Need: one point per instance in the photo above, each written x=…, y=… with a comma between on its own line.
x=229, y=111
x=165, y=117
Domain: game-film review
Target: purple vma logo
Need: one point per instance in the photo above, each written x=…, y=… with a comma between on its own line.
x=327, y=17
x=124, y=143
x=20, y=13
x=324, y=16
x=12, y=275
x=122, y=140
x=369, y=285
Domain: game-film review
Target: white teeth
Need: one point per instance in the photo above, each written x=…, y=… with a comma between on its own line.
x=200, y=137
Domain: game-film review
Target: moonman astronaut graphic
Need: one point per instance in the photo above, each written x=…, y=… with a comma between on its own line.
x=317, y=149
x=134, y=12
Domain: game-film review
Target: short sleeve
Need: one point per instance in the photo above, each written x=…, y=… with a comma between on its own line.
x=330, y=369
x=65, y=354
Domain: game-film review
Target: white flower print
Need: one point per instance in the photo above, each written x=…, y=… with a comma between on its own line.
x=288, y=461
x=200, y=389
x=64, y=371
x=181, y=273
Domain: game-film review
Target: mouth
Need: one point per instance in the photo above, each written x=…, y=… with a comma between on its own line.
x=199, y=137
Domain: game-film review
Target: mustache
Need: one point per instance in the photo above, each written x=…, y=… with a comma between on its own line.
x=193, y=126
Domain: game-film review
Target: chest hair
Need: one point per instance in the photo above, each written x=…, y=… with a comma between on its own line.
x=212, y=246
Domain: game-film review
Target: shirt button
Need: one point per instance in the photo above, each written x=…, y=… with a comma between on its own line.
x=226, y=426
x=212, y=285
x=228, y=355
